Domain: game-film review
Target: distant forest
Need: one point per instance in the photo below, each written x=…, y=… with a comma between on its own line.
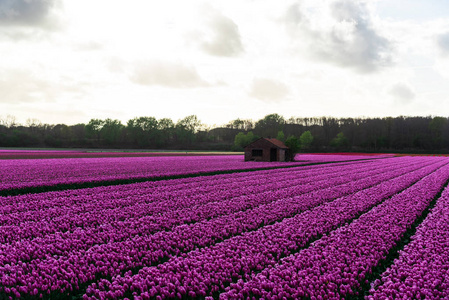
x=399, y=134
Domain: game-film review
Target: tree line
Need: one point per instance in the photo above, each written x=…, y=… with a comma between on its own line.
x=325, y=134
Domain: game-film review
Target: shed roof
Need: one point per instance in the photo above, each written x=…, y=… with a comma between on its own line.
x=278, y=143
x=275, y=142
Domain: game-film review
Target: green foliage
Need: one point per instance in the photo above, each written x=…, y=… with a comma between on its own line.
x=436, y=127
x=281, y=136
x=111, y=131
x=293, y=143
x=340, y=141
x=306, y=140
x=242, y=140
x=143, y=131
x=190, y=123
x=93, y=128
x=270, y=125
x=412, y=134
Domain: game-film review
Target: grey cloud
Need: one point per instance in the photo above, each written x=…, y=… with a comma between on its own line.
x=168, y=74
x=443, y=43
x=26, y=12
x=402, y=93
x=268, y=90
x=351, y=42
x=294, y=15
x=220, y=35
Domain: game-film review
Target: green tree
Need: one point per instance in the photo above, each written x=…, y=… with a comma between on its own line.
x=340, y=141
x=281, y=136
x=143, y=131
x=166, y=128
x=306, y=140
x=186, y=129
x=436, y=128
x=111, y=131
x=242, y=140
x=270, y=125
x=190, y=123
x=93, y=129
x=293, y=144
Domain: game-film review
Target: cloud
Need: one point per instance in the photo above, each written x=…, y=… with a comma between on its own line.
x=216, y=34
x=344, y=35
x=26, y=12
x=21, y=86
x=167, y=74
x=443, y=43
x=268, y=90
x=223, y=38
x=88, y=46
x=402, y=93
x=26, y=86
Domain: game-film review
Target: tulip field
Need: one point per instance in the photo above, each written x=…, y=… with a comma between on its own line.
x=215, y=227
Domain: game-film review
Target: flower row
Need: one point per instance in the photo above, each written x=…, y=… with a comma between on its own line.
x=210, y=270
x=17, y=174
x=149, y=209
x=337, y=265
x=36, y=265
x=422, y=269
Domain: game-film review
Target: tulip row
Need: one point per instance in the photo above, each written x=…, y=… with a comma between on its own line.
x=207, y=271
x=44, y=274
x=33, y=173
x=336, y=266
x=188, y=187
x=46, y=172
x=35, y=154
x=422, y=269
x=150, y=209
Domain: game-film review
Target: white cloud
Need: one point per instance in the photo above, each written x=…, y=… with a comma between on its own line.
x=268, y=90
x=169, y=74
x=254, y=57
x=21, y=86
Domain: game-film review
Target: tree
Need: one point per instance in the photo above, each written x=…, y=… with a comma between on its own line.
x=436, y=128
x=9, y=121
x=306, y=140
x=93, y=128
x=270, y=125
x=242, y=140
x=281, y=136
x=186, y=129
x=166, y=128
x=143, y=131
x=190, y=123
x=293, y=144
x=340, y=141
x=111, y=131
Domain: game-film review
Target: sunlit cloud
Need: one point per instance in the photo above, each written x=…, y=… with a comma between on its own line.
x=268, y=90
x=169, y=74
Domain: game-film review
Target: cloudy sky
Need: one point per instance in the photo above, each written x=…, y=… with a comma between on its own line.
x=67, y=61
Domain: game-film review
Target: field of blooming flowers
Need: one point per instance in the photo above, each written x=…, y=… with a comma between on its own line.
x=359, y=227
x=32, y=175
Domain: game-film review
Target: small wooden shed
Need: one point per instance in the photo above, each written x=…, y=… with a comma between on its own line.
x=265, y=149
